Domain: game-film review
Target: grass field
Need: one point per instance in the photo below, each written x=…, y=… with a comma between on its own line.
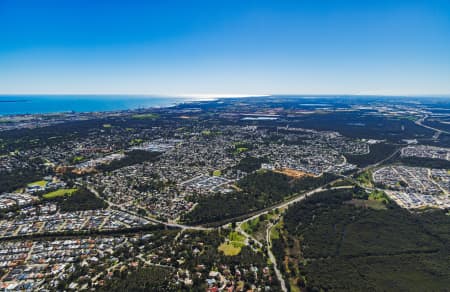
x=41, y=183
x=230, y=248
x=233, y=245
x=59, y=193
x=217, y=173
x=145, y=116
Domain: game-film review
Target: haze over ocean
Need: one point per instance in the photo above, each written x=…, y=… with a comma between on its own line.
x=34, y=104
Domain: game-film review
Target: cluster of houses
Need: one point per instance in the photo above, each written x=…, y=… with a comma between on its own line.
x=27, y=121
x=70, y=221
x=425, y=151
x=10, y=201
x=39, y=264
x=25, y=197
x=158, y=145
x=13, y=161
x=48, y=183
x=205, y=183
x=219, y=276
x=415, y=187
x=44, y=208
x=98, y=161
x=189, y=160
x=313, y=152
x=409, y=179
x=157, y=187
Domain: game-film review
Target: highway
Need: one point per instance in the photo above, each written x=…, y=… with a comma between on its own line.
x=438, y=131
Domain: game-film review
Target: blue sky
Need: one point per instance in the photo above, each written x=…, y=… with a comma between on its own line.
x=225, y=47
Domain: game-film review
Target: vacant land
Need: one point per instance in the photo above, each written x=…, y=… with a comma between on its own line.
x=293, y=173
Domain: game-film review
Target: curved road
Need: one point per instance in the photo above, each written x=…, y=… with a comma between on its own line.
x=438, y=131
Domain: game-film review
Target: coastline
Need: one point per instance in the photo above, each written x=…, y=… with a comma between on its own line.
x=84, y=104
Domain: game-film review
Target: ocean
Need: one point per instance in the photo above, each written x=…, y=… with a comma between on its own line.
x=34, y=104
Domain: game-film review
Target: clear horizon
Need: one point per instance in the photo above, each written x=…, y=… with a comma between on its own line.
x=214, y=96
x=205, y=48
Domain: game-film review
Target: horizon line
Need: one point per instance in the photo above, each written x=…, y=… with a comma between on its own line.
x=229, y=95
